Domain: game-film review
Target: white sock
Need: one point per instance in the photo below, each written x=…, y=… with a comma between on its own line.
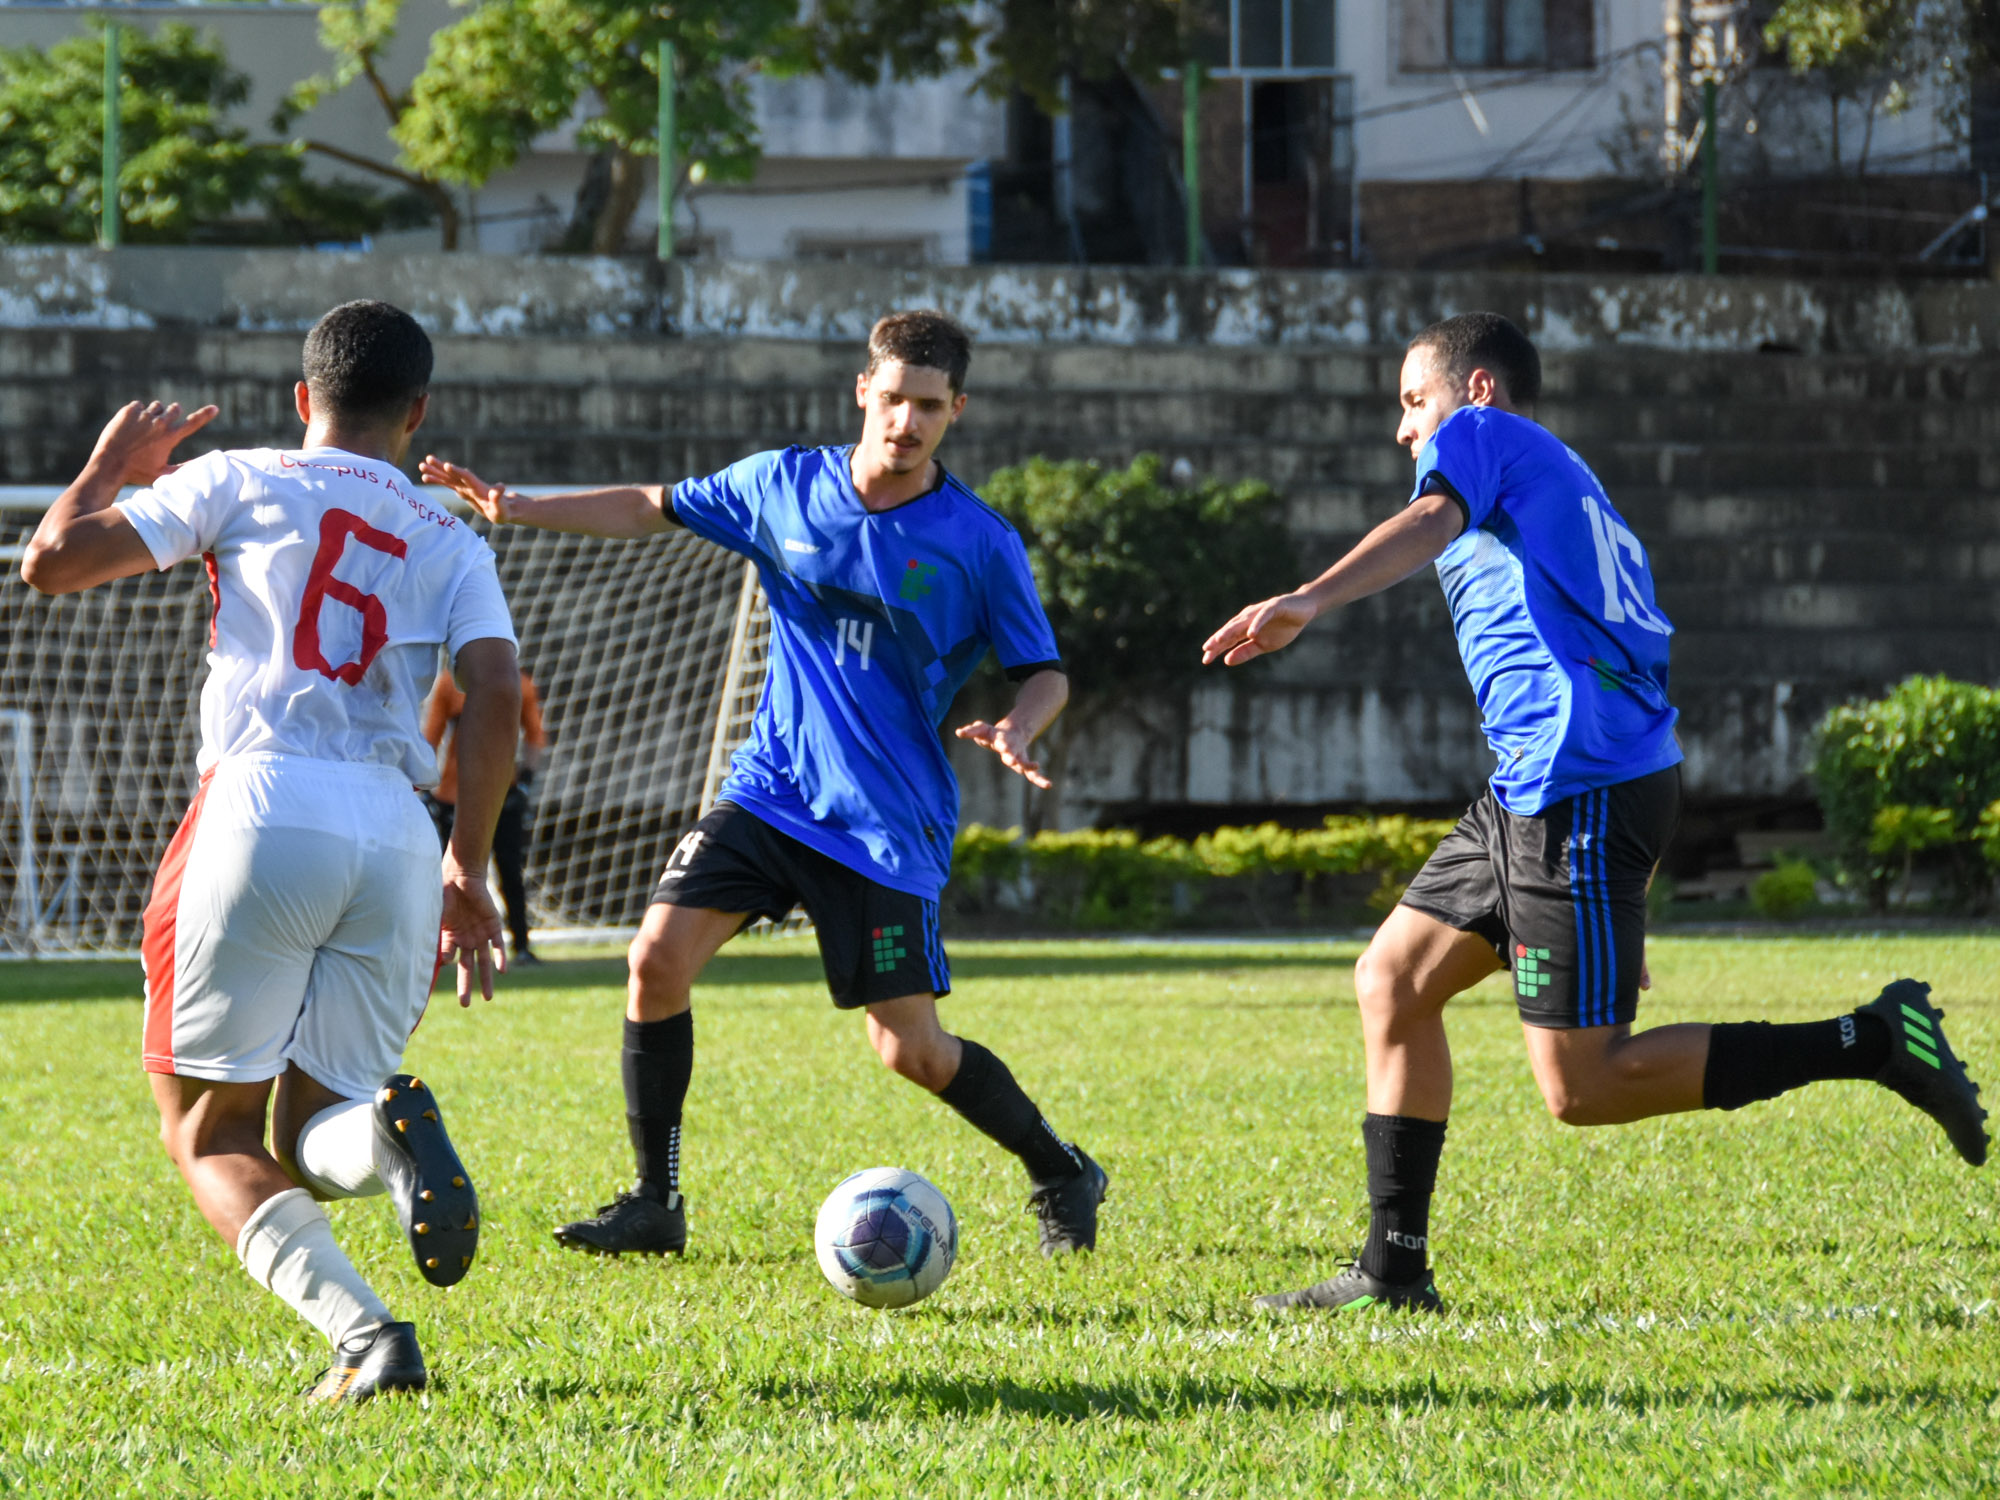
x=336, y=1150
x=287, y=1246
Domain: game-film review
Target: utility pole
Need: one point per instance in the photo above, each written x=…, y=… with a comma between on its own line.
x=1711, y=175
x=1191, y=158
x=107, y=231
x=666, y=127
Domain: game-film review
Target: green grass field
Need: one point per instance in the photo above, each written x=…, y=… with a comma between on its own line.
x=1796, y=1299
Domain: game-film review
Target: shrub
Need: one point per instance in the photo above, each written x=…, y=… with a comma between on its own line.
x=1785, y=892
x=1931, y=745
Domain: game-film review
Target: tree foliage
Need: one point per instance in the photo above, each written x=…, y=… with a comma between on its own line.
x=1136, y=570
x=510, y=71
x=1879, y=54
x=184, y=171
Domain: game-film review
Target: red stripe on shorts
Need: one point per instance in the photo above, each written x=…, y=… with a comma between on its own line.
x=157, y=949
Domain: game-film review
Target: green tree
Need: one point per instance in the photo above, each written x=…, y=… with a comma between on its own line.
x=183, y=170
x=1134, y=571
x=1872, y=53
x=357, y=34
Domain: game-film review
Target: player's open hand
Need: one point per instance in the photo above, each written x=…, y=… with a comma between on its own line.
x=1007, y=742
x=1258, y=629
x=471, y=932
x=490, y=500
x=141, y=435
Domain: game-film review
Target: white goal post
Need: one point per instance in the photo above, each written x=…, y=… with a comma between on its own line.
x=648, y=657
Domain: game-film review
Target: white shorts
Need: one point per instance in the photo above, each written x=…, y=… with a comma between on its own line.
x=294, y=919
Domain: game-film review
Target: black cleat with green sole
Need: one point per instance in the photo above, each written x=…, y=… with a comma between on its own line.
x=433, y=1195
x=1354, y=1290
x=374, y=1363
x=1923, y=1068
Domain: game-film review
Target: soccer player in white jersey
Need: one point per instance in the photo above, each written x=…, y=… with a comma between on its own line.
x=299, y=916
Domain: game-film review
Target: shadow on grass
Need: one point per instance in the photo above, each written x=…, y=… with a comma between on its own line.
x=42, y=980
x=1174, y=1396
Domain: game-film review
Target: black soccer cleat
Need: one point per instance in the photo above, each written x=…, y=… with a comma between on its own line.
x=1923, y=1068
x=434, y=1196
x=1067, y=1208
x=385, y=1358
x=643, y=1221
x=1354, y=1290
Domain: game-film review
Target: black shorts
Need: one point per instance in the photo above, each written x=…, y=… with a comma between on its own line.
x=876, y=943
x=1560, y=895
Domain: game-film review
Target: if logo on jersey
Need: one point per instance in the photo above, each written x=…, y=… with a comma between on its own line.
x=917, y=580
x=887, y=950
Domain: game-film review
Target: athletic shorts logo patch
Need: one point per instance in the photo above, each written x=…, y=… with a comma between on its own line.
x=917, y=580
x=1530, y=978
x=887, y=950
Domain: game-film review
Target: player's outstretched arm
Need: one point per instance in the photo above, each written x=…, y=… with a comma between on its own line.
x=622, y=511
x=471, y=933
x=1040, y=699
x=83, y=540
x=1401, y=545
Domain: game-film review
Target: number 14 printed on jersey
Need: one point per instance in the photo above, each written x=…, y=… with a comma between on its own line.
x=857, y=636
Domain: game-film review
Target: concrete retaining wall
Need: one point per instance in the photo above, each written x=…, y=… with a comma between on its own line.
x=1824, y=516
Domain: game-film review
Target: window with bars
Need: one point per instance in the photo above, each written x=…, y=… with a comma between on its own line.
x=1489, y=34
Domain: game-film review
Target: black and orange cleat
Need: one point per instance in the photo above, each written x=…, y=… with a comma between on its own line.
x=434, y=1196
x=384, y=1359
x=1923, y=1068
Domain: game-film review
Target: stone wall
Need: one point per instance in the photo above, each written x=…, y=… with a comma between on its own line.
x=1812, y=467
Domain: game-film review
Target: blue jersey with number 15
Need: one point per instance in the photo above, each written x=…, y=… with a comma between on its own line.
x=877, y=619
x=1552, y=601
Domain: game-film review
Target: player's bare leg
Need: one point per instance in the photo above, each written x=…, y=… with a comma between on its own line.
x=215, y=1134
x=1410, y=971
x=1610, y=1075
x=674, y=945
x=1402, y=982
x=907, y=1035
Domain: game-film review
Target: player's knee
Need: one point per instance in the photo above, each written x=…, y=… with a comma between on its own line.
x=921, y=1059
x=1577, y=1096
x=659, y=976
x=1381, y=988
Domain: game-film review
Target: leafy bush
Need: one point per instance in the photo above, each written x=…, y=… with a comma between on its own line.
x=1931, y=746
x=1135, y=571
x=1784, y=892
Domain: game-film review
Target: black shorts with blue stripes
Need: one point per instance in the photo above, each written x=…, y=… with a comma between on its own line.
x=1560, y=895
x=875, y=943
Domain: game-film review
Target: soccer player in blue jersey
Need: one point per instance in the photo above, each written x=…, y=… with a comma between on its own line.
x=888, y=581
x=1551, y=596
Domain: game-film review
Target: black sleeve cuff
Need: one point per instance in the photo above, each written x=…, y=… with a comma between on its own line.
x=667, y=509
x=1028, y=669
x=1436, y=484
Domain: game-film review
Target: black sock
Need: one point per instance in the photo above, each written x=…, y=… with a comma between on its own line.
x=1403, y=1154
x=986, y=1094
x=658, y=1061
x=1752, y=1060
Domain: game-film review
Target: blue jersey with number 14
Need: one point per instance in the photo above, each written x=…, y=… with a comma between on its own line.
x=877, y=619
x=1552, y=600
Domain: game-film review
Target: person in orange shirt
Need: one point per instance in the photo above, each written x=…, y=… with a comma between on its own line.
x=510, y=837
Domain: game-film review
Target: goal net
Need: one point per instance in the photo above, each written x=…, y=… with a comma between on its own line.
x=648, y=656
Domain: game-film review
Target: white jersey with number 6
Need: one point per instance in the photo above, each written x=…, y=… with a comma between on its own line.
x=335, y=581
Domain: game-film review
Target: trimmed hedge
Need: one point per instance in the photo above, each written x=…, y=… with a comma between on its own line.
x=1109, y=878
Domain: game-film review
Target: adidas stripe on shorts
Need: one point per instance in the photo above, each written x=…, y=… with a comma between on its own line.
x=1560, y=895
x=294, y=919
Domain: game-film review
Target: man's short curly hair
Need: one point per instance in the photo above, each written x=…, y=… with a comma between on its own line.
x=1486, y=341
x=367, y=360
x=925, y=337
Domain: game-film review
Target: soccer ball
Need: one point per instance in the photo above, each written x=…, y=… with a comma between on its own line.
x=886, y=1237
